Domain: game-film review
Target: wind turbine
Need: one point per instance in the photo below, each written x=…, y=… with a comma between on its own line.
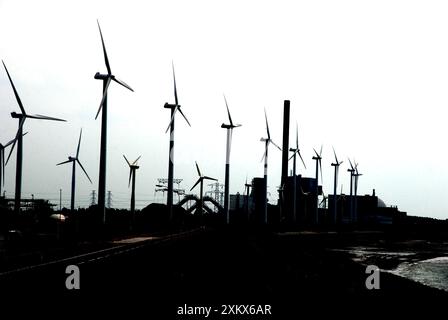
x=318, y=158
x=336, y=165
x=132, y=168
x=75, y=160
x=296, y=151
x=229, y=127
x=351, y=170
x=2, y=162
x=174, y=108
x=356, y=175
x=19, y=159
x=267, y=141
x=106, y=78
x=201, y=181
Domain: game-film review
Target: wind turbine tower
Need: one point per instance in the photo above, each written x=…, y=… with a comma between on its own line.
x=19, y=139
x=336, y=165
x=351, y=170
x=132, y=169
x=201, y=194
x=356, y=175
x=174, y=108
x=267, y=141
x=229, y=127
x=295, y=151
x=106, y=78
x=318, y=158
x=75, y=160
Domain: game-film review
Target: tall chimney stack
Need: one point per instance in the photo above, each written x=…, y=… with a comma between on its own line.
x=285, y=146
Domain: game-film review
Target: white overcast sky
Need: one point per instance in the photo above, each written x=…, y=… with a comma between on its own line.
x=367, y=77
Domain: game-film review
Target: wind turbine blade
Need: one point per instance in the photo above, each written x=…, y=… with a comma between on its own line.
x=264, y=156
x=22, y=121
x=320, y=153
x=267, y=125
x=180, y=110
x=122, y=83
x=172, y=118
x=106, y=60
x=275, y=145
x=351, y=165
x=126, y=160
x=77, y=160
x=293, y=154
x=104, y=96
x=199, y=180
x=335, y=157
x=64, y=162
x=133, y=163
x=15, y=91
x=42, y=117
x=297, y=136
x=317, y=155
x=79, y=144
x=175, y=86
x=130, y=176
x=10, y=142
x=209, y=178
x=10, y=151
x=199, y=171
x=228, y=112
x=301, y=158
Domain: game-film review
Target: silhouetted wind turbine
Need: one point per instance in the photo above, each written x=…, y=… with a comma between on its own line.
x=229, y=127
x=356, y=175
x=201, y=181
x=296, y=151
x=336, y=165
x=267, y=141
x=19, y=160
x=351, y=170
x=2, y=162
x=106, y=78
x=75, y=160
x=132, y=168
x=174, y=108
x=318, y=158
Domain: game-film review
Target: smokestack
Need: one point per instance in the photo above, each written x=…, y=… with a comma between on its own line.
x=285, y=147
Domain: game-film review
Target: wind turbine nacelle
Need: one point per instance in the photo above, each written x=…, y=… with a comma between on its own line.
x=170, y=106
x=100, y=76
x=16, y=115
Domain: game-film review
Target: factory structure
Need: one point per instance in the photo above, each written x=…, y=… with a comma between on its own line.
x=304, y=204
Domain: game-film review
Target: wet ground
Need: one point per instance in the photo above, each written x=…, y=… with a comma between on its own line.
x=293, y=272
